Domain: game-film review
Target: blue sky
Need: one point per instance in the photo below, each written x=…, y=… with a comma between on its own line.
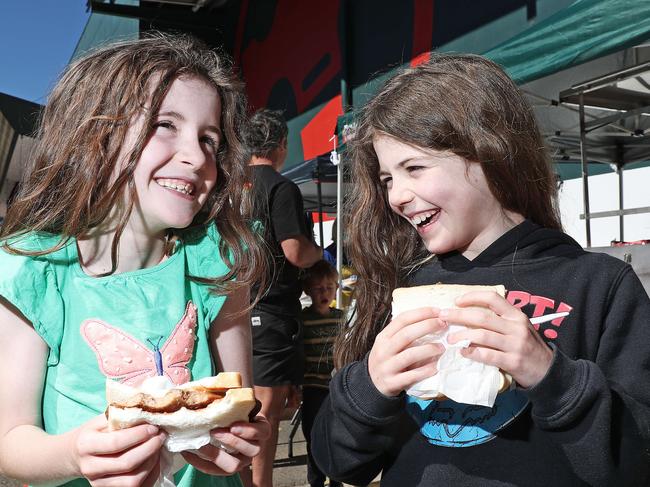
x=37, y=39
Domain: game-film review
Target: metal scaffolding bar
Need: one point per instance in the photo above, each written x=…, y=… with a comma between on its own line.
x=585, y=167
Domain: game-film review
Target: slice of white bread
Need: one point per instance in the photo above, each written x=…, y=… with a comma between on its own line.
x=236, y=405
x=442, y=296
x=438, y=295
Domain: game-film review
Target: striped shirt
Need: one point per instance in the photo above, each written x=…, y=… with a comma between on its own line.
x=319, y=334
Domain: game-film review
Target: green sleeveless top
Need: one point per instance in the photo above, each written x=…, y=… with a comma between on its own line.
x=127, y=326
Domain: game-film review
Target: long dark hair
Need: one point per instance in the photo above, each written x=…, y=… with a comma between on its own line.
x=463, y=104
x=71, y=187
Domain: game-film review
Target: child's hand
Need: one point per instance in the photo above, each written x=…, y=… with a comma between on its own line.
x=507, y=340
x=239, y=444
x=128, y=457
x=395, y=363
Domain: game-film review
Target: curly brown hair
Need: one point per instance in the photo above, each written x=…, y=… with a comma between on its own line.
x=266, y=131
x=464, y=104
x=71, y=186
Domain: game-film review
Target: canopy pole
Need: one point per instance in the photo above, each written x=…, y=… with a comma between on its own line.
x=344, y=36
x=320, y=205
x=335, y=158
x=585, y=168
x=346, y=105
x=621, y=223
x=620, y=163
x=339, y=242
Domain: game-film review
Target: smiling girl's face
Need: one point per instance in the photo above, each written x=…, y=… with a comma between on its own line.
x=445, y=198
x=178, y=167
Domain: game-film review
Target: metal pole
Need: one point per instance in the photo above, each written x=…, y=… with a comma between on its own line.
x=620, y=162
x=346, y=103
x=339, y=242
x=585, y=168
x=619, y=170
x=320, y=205
x=335, y=158
x=344, y=36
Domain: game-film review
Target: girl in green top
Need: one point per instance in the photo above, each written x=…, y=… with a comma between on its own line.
x=125, y=256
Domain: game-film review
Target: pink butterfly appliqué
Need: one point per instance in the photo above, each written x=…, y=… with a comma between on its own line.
x=120, y=356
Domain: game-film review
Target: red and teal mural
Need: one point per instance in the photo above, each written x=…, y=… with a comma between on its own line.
x=310, y=58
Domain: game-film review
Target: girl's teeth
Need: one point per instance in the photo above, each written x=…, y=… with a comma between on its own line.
x=181, y=188
x=419, y=219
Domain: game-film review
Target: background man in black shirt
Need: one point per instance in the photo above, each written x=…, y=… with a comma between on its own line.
x=275, y=319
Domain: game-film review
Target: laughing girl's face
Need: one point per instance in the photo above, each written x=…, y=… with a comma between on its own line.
x=445, y=198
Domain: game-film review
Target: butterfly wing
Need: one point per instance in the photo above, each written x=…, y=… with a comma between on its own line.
x=119, y=355
x=177, y=351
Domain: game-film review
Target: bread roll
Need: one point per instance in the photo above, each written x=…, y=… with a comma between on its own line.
x=442, y=296
x=207, y=403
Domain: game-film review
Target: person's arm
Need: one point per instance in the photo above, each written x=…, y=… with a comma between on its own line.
x=355, y=427
x=58, y=458
x=301, y=252
x=359, y=423
x=598, y=412
x=230, y=336
x=290, y=229
x=593, y=407
x=23, y=356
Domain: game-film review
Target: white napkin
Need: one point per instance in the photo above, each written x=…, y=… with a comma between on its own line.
x=459, y=378
x=176, y=441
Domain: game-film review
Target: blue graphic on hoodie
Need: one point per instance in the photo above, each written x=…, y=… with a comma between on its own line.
x=451, y=424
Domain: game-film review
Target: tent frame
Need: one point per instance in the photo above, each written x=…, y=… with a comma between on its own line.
x=580, y=94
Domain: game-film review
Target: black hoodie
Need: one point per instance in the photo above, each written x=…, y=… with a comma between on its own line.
x=587, y=422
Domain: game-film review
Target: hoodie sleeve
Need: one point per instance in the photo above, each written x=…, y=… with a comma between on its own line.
x=598, y=412
x=355, y=427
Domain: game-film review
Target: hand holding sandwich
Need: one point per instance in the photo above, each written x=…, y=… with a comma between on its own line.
x=395, y=361
x=504, y=338
x=208, y=419
x=239, y=444
x=125, y=457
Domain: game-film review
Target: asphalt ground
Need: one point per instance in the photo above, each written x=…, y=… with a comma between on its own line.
x=292, y=470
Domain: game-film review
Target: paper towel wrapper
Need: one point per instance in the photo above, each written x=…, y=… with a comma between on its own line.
x=459, y=378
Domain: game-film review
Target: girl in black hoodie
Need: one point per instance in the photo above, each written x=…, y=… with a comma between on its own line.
x=453, y=185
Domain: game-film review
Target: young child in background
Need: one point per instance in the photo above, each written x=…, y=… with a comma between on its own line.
x=453, y=185
x=321, y=326
x=102, y=278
